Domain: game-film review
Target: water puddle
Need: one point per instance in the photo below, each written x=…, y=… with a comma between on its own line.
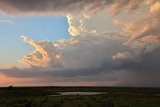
x=77, y=93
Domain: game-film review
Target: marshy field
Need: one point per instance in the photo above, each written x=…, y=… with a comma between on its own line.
x=79, y=97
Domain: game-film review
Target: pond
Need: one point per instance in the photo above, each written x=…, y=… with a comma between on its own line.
x=80, y=93
x=77, y=93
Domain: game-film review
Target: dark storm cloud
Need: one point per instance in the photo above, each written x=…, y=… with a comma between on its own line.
x=144, y=72
x=18, y=7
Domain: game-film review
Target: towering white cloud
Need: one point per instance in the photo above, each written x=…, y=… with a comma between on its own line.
x=45, y=54
x=75, y=30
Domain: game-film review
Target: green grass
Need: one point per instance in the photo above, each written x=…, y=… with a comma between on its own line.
x=119, y=96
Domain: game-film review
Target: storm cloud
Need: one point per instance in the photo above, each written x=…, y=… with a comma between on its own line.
x=128, y=58
x=46, y=7
x=93, y=57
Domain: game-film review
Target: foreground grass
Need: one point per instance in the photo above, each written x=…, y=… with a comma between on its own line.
x=39, y=97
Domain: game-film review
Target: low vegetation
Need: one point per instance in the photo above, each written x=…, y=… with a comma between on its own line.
x=111, y=97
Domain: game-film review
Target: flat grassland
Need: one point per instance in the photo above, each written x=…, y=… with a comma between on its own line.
x=52, y=97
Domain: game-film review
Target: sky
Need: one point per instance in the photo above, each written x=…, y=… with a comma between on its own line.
x=38, y=28
x=80, y=43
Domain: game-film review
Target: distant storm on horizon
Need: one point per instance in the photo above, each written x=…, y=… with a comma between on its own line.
x=80, y=43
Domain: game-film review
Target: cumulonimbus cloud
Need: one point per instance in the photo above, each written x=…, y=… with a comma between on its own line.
x=92, y=54
x=45, y=53
x=129, y=69
x=59, y=53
